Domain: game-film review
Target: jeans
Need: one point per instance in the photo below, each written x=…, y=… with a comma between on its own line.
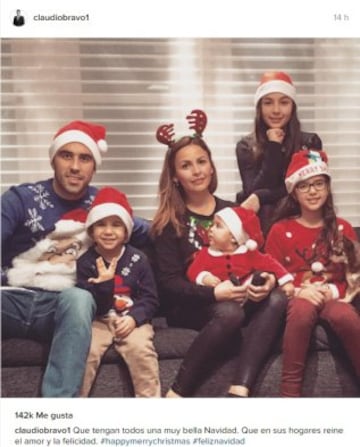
x=64, y=318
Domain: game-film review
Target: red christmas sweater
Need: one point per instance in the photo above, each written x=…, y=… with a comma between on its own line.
x=297, y=249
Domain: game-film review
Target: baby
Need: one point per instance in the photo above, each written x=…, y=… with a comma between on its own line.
x=233, y=253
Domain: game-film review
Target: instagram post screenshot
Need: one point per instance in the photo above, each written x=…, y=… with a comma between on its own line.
x=180, y=222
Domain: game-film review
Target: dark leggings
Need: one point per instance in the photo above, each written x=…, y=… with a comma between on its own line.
x=220, y=326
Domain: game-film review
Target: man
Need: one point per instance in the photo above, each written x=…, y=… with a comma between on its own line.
x=36, y=305
x=19, y=20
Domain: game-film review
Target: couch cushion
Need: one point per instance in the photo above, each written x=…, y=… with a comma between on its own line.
x=170, y=343
x=23, y=352
x=325, y=374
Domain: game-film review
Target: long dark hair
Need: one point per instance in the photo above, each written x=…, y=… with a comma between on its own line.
x=172, y=198
x=289, y=208
x=292, y=141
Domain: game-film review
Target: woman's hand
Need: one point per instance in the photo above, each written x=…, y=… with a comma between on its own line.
x=251, y=203
x=276, y=135
x=104, y=274
x=226, y=291
x=258, y=293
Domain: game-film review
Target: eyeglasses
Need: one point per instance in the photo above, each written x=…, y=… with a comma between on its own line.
x=318, y=185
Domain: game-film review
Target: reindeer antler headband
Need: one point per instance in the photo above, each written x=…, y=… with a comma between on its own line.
x=197, y=120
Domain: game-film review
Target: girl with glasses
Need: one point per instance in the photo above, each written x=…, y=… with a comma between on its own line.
x=303, y=240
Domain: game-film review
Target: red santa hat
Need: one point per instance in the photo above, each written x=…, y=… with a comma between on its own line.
x=305, y=164
x=111, y=202
x=89, y=134
x=72, y=224
x=275, y=82
x=244, y=225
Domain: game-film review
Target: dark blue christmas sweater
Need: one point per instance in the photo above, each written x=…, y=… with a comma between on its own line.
x=133, y=278
x=30, y=211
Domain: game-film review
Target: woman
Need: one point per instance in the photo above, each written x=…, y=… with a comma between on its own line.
x=180, y=228
x=306, y=240
x=264, y=155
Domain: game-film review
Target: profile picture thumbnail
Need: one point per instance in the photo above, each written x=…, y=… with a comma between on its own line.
x=19, y=19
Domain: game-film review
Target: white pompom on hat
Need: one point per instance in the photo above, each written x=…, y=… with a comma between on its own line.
x=111, y=202
x=244, y=225
x=275, y=82
x=89, y=134
x=305, y=164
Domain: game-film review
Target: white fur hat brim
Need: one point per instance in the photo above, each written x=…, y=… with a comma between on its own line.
x=78, y=136
x=305, y=173
x=275, y=86
x=107, y=209
x=229, y=216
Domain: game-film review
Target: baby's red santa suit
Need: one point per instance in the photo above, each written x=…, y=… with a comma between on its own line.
x=244, y=225
x=51, y=263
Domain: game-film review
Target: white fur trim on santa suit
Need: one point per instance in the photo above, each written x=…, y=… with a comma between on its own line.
x=200, y=277
x=96, y=148
x=284, y=279
x=310, y=170
x=275, y=86
x=107, y=209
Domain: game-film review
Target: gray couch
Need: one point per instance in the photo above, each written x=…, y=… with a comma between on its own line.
x=328, y=373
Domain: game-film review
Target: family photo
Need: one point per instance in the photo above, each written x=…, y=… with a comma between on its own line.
x=180, y=217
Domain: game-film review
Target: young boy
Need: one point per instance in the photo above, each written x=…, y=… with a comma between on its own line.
x=121, y=281
x=233, y=253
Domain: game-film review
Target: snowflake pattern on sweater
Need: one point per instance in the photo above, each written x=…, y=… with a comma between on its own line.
x=41, y=196
x=30, y=212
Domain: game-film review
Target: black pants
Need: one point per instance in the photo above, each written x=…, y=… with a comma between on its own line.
x=220, y=325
